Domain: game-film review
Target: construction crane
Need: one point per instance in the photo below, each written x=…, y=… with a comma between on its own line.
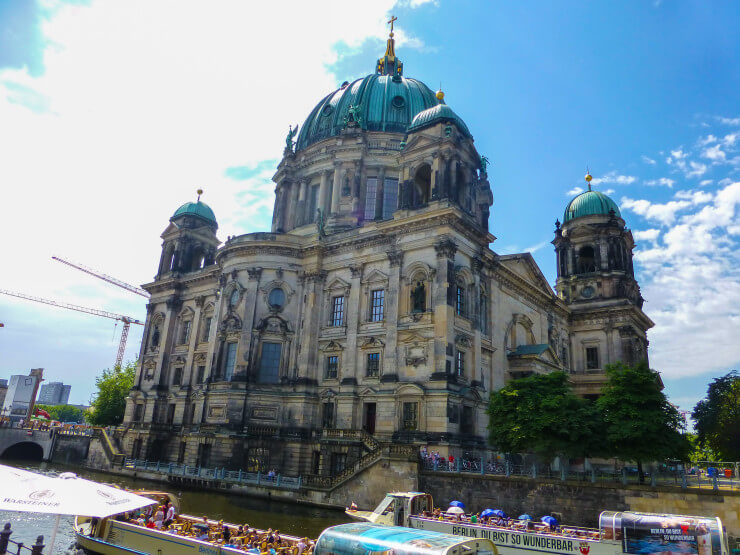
x=127, y=320
x=104, y=277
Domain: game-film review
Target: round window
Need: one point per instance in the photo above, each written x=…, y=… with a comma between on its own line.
x=398, y=102
x=276, y=298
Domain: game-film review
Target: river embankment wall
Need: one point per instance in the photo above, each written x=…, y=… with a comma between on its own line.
x=578, y=502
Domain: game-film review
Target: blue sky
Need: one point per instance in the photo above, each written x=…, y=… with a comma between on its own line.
x=110, y=120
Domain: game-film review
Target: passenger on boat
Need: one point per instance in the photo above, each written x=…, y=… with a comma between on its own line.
x=169, y=514
x=159, y=517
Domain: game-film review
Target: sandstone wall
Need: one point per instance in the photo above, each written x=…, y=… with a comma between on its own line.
x=70, y=449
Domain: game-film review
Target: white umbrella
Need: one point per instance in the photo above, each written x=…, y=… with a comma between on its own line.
x=66, y=494
x=456, y=511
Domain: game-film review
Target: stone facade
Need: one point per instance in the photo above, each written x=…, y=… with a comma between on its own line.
x=374, y=305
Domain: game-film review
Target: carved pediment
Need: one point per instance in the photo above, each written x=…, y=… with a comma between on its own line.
x=231, y=323
x=178, y=359
x=409, y=389
x=200, y=358
x=375, y=276
x=463, y=340
x=332, y=346
x=372, y=343
x=338, y=284
x=328, y=394
x=273, y=324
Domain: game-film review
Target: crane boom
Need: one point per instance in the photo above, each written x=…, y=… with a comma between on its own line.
x=104, y=277
x=78, y=308
x=127, y=320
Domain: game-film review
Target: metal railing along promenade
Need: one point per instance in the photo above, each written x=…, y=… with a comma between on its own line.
x=238, y=477
x=673, y=476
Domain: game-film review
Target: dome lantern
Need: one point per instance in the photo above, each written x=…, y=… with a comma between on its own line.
x=197, y=209
x=590, y=203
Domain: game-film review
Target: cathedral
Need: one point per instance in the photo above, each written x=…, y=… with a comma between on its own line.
x=374, y=311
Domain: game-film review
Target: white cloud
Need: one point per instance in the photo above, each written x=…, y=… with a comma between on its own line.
x=695, y=197
x=609, y=191
x=706, y=182
x=691, y=280
x=648, y=160
x=574, y=191
x=729, y=139
x=697, y=169
x=708, y=140
x=662, y=181
x=614, y=178
x=646, y=235
x=714, y=153
x=728, y=121
x=141, y=103
x=664, y=213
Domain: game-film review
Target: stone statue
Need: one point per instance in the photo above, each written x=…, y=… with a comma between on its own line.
x=289, y=143
x=484, y=163
x=320, y=223
x=418, y=297
x=354, y=116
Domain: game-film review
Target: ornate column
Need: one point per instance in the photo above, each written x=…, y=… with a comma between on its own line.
x=604, y=254
x=392, y=298
x=476, y=357
x=353, y=318
x=336, y=191
x=308, y=357
x=246, y=341
x=380, y=190
x=443, y=302
x=293, y=208
x=323, y=200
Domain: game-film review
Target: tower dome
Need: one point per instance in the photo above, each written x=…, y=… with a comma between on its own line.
x=590, y=203
x=196, y=209
x=384, y=101
x=441, y=113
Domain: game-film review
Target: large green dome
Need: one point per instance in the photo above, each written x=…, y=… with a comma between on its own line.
x=198, y=209
x=590, y=203
x=386, y=103
x=441, y=113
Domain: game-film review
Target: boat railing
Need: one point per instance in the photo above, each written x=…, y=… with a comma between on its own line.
x=218, y=474
x=515, y=525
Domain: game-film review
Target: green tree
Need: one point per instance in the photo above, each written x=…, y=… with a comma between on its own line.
x=717, y=418
x=109, y=403
x=540, y=414
x=639, y=423
x=64, y=413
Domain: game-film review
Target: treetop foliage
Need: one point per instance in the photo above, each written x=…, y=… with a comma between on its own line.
x=109, y=403
x=717, y=417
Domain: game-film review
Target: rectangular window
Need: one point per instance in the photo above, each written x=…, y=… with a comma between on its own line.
x=460, y=301
x=592, y=358
x=373, y=365
x=338, y=462
x=270, y=363
x=371, y=198
x=460, y=363
x=377, y=305
x=201, y=374
x=170, y=414
x=332, y=366
x=390, y=197
x=177, y=376
x=466, y=426
x=313, y=204
x=191, y=414
x=230, y=361
x=327, y=415
x=185, y=332
x=181, y=452
x=138, y=412
x=206, y=329
x=337, y=311
x=410, y=421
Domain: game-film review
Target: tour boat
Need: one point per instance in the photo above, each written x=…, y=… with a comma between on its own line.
x=618, y=532
x=109, y=536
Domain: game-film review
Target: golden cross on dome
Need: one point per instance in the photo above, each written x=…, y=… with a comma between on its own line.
x=391, y=20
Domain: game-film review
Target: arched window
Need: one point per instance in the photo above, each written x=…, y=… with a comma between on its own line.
x=460, y=301
x=421, y=191
x=234, y=298
x=586, y=260
x=276, y=298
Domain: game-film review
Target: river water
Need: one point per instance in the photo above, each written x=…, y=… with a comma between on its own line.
x=298, y=520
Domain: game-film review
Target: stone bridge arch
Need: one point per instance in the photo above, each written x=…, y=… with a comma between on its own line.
x=14, y=443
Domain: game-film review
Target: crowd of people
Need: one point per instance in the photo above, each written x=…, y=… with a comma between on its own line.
x=432, y=459
x=251, y=540
x=514, y=524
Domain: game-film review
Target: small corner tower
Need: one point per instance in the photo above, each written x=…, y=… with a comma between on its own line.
x=595, y=278
x=189, y=242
